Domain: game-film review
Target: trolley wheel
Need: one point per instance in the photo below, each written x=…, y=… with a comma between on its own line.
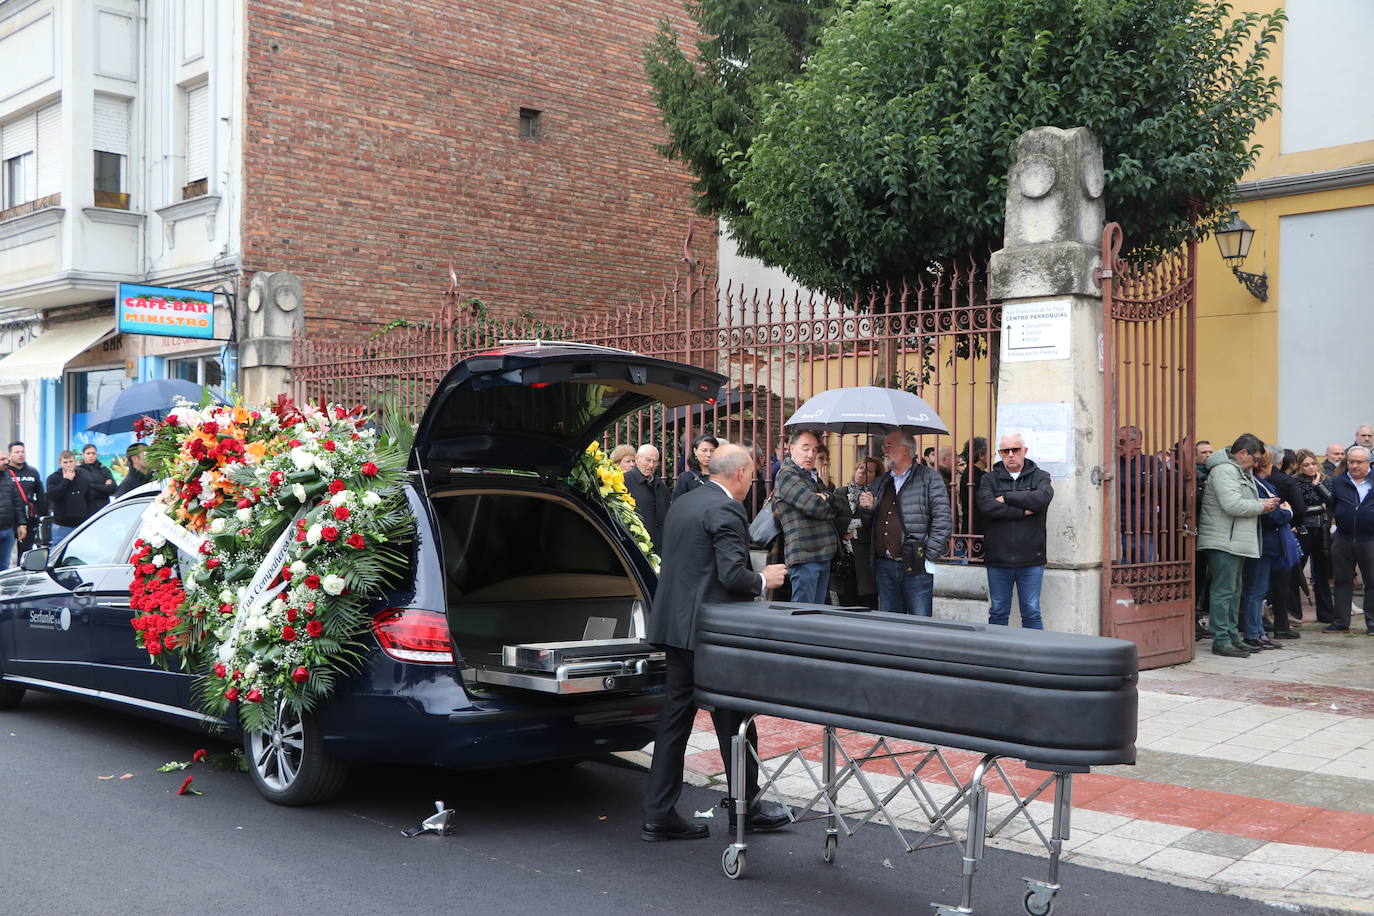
x=831, y=843
x=732, y=862
x=1036, y=906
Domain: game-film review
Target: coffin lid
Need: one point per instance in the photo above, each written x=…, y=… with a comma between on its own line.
x=536, y=406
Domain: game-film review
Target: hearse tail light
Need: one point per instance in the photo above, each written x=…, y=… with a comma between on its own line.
x=414, y=635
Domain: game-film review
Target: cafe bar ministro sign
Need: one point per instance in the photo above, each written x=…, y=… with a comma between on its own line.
x=165, y=312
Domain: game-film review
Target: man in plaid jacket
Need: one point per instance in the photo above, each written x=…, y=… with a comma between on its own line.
x=807, y=520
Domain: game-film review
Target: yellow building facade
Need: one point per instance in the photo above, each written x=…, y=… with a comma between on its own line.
x=1297, y=369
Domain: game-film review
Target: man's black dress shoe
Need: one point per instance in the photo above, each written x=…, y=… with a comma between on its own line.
x=1288, y=634
x=1333, y=628
x=674, y=828
x=765, y=815
x=1230, y=651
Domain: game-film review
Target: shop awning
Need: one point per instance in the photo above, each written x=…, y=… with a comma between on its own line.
x=48, y=355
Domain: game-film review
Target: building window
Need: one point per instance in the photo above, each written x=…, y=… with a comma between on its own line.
x=30, y=157
x=529, y=123
x=197, y=142
x=202, y=370
x=111, y=134
x=20, y=180
x=88, y=390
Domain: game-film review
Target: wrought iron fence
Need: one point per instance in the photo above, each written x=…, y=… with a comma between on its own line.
x=935, y=335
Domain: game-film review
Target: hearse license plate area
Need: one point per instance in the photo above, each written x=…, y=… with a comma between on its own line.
x=577, y=667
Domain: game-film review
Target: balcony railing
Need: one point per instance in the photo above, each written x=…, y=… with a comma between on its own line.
x=31, y=206
x=198, y=188
x=113, y=200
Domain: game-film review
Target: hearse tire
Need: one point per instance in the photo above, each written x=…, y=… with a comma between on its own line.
x=290, y=766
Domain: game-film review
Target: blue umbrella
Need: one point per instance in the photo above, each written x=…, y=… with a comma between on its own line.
x=867, y=409
x=153, y=399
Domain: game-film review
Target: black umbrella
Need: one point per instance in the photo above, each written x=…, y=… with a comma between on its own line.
x=153, y=399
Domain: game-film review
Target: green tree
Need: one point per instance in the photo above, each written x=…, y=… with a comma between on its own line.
x=891, y=151
x=712, y=102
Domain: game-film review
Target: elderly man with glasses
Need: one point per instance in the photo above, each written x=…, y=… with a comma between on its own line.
x=1352, y=546
x=1013, y=498
x=911, y=524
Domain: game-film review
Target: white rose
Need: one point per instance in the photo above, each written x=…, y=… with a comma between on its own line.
x=298, y=491
x=298, y=568
x=216, y=526
x=226, y=596
x=278, y=606
x=159, y=560
x=339, y=498
x=158, y=541
x=312, y=536
x=245, y=515
x=226, y=651
x=192, y=584
x=302, y=459
x=333, y=585
x=372, y=499
x=251, y=669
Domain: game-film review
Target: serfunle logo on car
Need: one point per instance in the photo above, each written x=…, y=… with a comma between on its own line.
x=48, y=619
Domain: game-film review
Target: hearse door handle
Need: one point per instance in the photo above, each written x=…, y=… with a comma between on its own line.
x=84, y=590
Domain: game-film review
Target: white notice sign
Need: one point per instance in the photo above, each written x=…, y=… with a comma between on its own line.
x=1035, y=330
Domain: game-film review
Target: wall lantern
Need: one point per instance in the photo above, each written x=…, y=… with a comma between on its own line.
x=1234, y=240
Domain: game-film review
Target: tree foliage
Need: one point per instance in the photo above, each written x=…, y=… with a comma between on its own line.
x=890, y=152
x=712, y=102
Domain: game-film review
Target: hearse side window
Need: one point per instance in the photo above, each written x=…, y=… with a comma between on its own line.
x=494, y=537
x=106, y=541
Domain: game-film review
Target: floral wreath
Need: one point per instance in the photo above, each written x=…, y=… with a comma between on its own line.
x=595, y=475
x=274, y=531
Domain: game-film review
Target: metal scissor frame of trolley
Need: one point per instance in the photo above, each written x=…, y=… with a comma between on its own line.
x=840, y=768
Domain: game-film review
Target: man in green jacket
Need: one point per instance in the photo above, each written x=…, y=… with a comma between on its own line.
x=1228, y=529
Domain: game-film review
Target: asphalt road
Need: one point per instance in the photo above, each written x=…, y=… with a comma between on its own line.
x=527, y=842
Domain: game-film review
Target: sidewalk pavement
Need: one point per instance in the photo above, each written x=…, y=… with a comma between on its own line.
x=1254, y=777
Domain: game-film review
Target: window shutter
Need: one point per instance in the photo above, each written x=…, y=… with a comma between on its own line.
x=197, y=133
x=20, y=136
x=111, y=125
x=49, y=151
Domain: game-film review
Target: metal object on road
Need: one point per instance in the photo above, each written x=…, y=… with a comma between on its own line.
x=867, y=409
x=153, y=399
x=441, y=822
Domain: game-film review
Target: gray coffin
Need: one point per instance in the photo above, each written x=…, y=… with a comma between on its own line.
x=1055, y=699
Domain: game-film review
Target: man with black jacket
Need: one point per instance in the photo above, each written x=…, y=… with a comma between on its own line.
x=67, y=495
x=1282, y=596
x=12, y=517
x=649, y=491
x=137, y=474
x=1013, y=498
x=34, y=501
x=1352, y=546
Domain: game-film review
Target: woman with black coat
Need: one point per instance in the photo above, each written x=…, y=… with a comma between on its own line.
x=1314, y=531
x=100, y=483
x=698, y=465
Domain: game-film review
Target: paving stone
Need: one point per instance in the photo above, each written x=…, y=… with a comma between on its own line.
x=1218, y=844
x=1260, y=874
x=1187, y=862
x=1290, y=854
x=1153, y=832
x=1119, y=849
x=1333, y=882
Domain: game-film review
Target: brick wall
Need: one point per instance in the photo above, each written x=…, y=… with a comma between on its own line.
x=382, y=139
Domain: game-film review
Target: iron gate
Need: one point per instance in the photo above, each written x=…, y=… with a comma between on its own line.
x=1149, y=373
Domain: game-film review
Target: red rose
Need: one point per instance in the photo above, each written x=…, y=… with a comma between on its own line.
x=310, y=608
x=300, y=675
x=336, y=486
x=369, y=469
x=294, y=443
x=238, y=675
x=212, y=563
x=329, y=533
x=327, y=445
x=232, y=694
x=341, y=513
x=292, y=614
x=220, y=670
x=226, y=608
x=300, y=536
x=245, y=503
x=276, y=478
x=314, y=628
x=254, y=695
x=200, y=755
x=312, y=581
x=355, y=540
x=288, y=633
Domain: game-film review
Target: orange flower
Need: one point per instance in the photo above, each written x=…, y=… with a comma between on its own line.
x=254, y=452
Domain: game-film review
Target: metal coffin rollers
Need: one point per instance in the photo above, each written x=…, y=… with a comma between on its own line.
x=1056, y=699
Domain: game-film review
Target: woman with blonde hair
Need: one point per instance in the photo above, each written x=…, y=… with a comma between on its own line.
x=623, y=457
x=1313, y=522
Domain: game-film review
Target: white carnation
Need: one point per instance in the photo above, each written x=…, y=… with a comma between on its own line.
x=372, y=499
x=312, y=536
x=226, y=596
x=324, y=467
x=298, y=568
x=159, y=560
x=298, y=491
x=339, y=498
x=245, y=514
x=333, y=585
x=158, y=541
x=278, y=606
x=251, y=669
x=302, y=459
x=226, y=651
x=216, y=526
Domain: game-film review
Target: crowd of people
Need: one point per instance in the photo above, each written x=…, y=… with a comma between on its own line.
x=871, y=542
x=61, y=501
x=1274, y=523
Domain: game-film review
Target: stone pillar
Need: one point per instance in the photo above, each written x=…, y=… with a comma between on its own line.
x=275, y=311
x=1049, y=380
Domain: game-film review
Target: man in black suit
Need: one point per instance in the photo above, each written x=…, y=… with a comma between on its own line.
x=649, y=491
x=705, y=559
